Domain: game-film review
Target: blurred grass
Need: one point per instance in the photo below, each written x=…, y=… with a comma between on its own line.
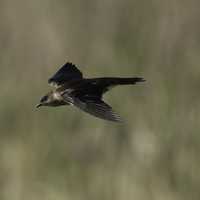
x=66, y=154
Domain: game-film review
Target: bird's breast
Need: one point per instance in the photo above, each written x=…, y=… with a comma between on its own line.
x=57, y=96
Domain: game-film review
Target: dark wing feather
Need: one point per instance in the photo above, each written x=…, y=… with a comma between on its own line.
x=66, y=73
x=95, y=107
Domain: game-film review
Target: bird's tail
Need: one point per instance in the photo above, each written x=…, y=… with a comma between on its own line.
x=126, y=81
x=113, y=81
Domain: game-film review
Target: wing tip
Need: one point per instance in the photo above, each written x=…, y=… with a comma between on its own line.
x=117, y=119
x=67, y=72
x=69, y=63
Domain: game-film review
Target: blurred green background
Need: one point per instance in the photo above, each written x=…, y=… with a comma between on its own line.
x=63, y=153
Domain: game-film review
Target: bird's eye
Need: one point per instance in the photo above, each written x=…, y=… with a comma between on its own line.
x=43, y=99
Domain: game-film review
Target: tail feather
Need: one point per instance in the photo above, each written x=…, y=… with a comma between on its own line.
x=126, y=81
x=112, y=81
x=102, y=85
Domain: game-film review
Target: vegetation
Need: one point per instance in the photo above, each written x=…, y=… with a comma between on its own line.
x=63, y=153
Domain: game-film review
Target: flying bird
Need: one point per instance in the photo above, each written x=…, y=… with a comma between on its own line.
x=71, y=88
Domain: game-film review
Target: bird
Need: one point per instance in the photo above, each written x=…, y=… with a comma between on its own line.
x=71, y=88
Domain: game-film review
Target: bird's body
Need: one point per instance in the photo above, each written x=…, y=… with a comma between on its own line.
x=84, y=93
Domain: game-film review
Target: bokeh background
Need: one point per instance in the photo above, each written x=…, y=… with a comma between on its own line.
x=63, y=153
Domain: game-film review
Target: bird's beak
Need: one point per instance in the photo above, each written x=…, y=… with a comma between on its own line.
x=38, y=105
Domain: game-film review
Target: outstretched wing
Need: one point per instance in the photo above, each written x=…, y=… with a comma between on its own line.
x=66, y=73
x=94, y=106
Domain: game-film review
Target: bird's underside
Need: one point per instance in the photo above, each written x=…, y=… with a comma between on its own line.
x=85, y=94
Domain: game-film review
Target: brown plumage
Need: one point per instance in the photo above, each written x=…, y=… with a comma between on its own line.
x=86, y=94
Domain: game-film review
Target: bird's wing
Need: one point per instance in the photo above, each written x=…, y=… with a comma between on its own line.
x=66, y=73
x=95, y=106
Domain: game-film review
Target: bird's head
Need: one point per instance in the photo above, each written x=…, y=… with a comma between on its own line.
x=46, y=100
